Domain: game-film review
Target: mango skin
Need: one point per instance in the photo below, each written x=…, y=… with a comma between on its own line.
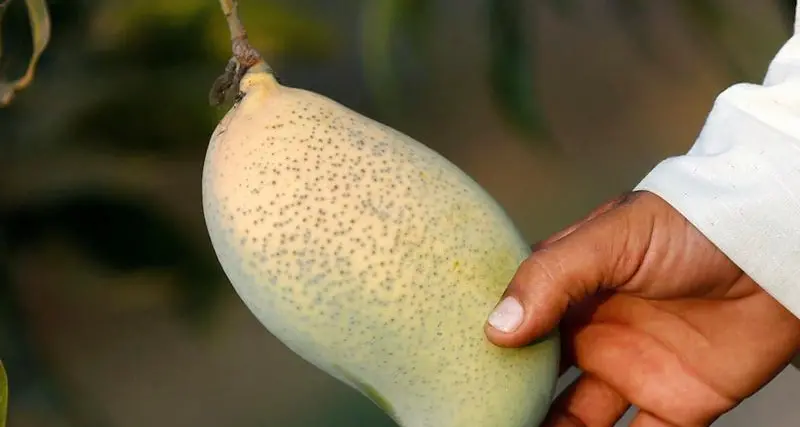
x=372, y=257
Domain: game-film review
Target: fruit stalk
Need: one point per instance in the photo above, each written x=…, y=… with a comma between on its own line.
x=245, y=57
x=245, y=54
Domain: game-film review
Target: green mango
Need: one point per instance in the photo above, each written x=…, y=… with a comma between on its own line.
x=372, y=257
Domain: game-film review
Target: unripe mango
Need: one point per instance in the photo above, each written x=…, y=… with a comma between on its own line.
x=372, y=257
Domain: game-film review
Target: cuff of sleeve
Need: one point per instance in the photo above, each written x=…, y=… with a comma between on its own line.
x=740, y=184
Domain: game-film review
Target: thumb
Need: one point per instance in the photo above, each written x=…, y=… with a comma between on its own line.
x=602, y=251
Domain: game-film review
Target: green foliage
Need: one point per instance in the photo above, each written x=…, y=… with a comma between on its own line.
x=281, y=30
x=136, y=80
x=385, y=24
x=511, y=70
x=274, y=27
x=511, y=66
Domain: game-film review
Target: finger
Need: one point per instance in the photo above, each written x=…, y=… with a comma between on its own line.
x=659, y=381
x=605, y=207
x=576, y=318
x=645, y=419
x=604, y=251
x=588, y=402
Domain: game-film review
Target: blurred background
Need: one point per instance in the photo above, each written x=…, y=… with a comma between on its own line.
x=113, y=309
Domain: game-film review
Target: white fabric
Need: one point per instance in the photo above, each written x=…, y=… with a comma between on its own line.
x=797, y=19
x=740, y=182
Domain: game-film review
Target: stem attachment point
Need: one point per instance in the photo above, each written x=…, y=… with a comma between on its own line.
x=245, y=56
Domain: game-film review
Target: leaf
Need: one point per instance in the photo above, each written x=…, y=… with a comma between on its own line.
x=377, y=31
x=3, y=395
x=40, y=29
x=384, y=23
x=511, y=68
x=414, y=19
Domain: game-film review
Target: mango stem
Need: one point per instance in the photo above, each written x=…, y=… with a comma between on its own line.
x=244, y=57
x=245, y=54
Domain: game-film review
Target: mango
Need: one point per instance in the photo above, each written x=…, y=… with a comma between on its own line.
x=372, y=257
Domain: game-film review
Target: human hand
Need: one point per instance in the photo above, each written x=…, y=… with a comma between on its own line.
x=652, y=313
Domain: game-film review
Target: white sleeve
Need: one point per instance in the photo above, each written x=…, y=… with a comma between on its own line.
x=740, y=182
